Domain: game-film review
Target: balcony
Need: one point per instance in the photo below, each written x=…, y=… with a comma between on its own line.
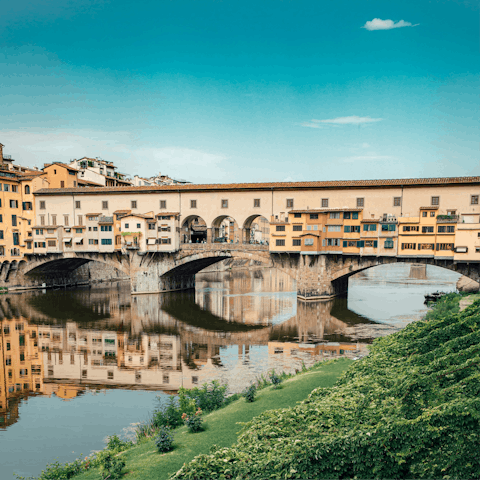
x=103, y=219
x=448, y=218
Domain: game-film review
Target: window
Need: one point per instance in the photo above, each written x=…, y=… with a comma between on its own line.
x=92, y=241
x=389, y=227
x=42, y=205
x=369, y=227
x=256, y=203
x=27, y=206
x=110, y=372
x=224, y=203
x=333, y=242
x=51, y=243
x=355, y=215
x=27, y=189
x=444, y=246
x=297, y=215
x=163, y=204
x=14, y=220
x=296, y=242
x=151, y=226
x=166, y=240
x=65, y=220
x=351, y=228
x=1, y=218
x=39, y=231
x=427, y=229
x=280, y=243
x=426, y=246
x=346, y=215
x=95, y=229
x=424, y=214
x=77, y=203
x=1, y=234
x=324, y=202
x=334, y=228
x=6, y=187
x=106, y=241
x=371, y=243
x=193, y=204
x=411, y=228
x=432, y=214
x=78, y=230
x=139, y=225
x=126, y=225
x=54, y=219
x=106, y=228
x=409, y=246
x=360, y=202
x=314, y=216
x=308, y=242
x=335, y=215
x=397, y=201
x=104, y=205
x=289, y=202
x=280, y=228
x=446, y=229
x=13, y=203
x=133, y=204
x=435, y=201
x=297, y=228
x=474, y=200
x=62, y=184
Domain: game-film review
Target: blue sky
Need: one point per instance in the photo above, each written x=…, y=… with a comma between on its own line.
x=228, y=91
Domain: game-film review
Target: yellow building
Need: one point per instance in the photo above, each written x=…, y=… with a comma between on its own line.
x=60, y=175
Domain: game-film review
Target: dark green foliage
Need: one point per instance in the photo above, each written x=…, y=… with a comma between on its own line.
x=275, y=379
x=115, y=445
x=250, y=393
x=410, y=409
x=209, y=397
x=164, y=440
x=168, y=415
x=110, y=466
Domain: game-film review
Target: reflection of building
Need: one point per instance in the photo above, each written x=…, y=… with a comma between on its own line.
x=21, y=369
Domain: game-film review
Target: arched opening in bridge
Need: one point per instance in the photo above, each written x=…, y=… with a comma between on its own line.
x=193, y=230
x=256, y=230
x=225, y=230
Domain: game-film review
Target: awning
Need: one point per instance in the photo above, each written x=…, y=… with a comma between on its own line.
x=151, y=241
x=67, y=240
x=79, y=240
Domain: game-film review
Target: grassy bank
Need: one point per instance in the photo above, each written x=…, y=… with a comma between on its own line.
x=143, y=462
x=411, y=409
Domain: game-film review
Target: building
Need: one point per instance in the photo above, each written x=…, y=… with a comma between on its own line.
x=99, y=172
x=157, y=180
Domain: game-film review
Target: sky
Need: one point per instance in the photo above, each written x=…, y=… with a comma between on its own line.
x=251, y=91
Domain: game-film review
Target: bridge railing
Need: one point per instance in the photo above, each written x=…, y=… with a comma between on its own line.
x=196, y=247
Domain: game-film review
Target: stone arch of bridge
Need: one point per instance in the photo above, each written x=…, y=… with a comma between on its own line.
x=193, y=229
x=193, y=263
x=340, y=277
x=57, y=264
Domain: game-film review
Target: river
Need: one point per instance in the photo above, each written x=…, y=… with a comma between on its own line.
x=81, y=364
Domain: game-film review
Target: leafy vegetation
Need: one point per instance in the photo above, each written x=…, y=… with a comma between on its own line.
x=164, y=440
x=250, y=393
x=193, y=421
x=411, y=409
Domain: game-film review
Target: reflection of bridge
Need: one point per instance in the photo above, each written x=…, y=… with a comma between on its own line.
x=317, y=276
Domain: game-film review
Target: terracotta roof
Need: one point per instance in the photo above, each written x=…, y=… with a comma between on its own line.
x=162, y=214
x=60, y=164
x=370, y=220
x=92, y=214
x=117, y=212
x=88, y=182
x=139, y=215
x=400, y=182
x=431, y=207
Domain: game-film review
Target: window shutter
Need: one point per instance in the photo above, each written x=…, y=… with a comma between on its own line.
x=438, y=246
x=375, y=244
x=344, y=243
x=361, y=243
x=347, y=229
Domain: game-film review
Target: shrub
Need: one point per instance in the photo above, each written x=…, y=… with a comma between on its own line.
x=250, y=393
x=116, y=445
x=193, y=421
x=208, y=398
x=275, y=379
x=164, y=440
x=168, y=415
x=110, y=466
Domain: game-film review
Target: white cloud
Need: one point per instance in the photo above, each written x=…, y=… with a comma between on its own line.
x=352, y=120
x=379, y=24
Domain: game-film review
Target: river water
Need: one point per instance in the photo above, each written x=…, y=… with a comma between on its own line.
x=81, y=364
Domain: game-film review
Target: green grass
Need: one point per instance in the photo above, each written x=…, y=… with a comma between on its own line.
x=143, y=462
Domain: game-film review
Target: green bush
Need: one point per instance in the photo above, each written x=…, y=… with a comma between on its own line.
x=250, y=393
x=193, y=421
x=410, y=409
x=275, y=379
x=164, y=440
x=110, y=466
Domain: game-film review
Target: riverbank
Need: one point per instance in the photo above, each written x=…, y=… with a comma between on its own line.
x=143, y=462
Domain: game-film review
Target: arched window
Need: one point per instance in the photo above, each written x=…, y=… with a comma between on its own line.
x=27, y=189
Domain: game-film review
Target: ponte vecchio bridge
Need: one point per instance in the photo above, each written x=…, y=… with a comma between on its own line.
x=320, y=233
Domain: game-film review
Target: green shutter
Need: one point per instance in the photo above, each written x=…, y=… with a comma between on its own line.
x=344, y=243
x=375, y=244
